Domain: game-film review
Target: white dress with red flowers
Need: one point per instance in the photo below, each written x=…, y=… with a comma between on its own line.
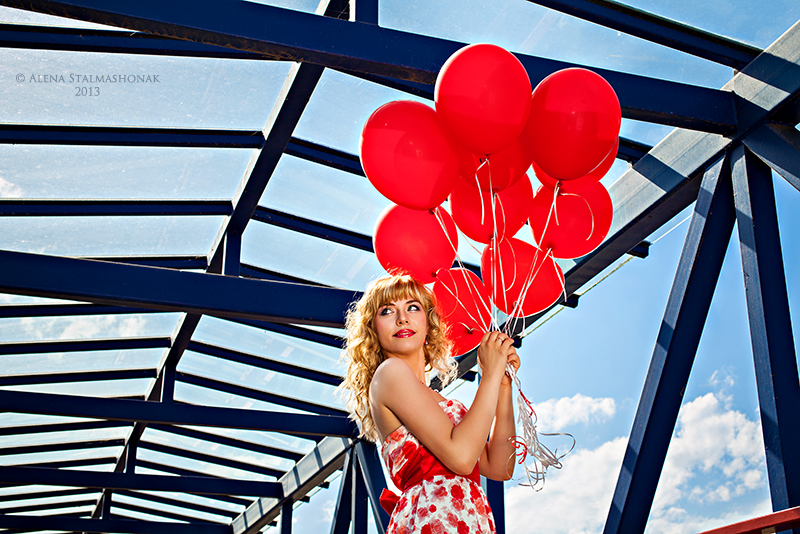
x=440, y=503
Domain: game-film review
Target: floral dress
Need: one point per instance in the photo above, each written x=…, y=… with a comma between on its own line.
x=435, y=500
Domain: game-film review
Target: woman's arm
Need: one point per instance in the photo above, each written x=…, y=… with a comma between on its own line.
x=498, y=459
x=398, y=397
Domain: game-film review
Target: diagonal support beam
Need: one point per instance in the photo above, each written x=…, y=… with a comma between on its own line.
x=363, y=47
x=770, y=326
x=316, y=466
x=169, y=290
x=778, y=145
x=687, y=308
x=174, y=414
x=657, y=29
x=370, y=471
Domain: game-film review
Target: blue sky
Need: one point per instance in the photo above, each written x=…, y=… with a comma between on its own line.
x=583, y=369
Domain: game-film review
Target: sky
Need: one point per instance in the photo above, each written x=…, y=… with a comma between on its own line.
x=582, y=368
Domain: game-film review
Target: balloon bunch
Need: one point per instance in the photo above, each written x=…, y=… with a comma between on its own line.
x=476, y=148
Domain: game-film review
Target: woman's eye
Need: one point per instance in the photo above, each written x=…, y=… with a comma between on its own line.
x=413, y=307
x=385, y=311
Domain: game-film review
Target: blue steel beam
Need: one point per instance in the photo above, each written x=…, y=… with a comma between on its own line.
x=174, y=414
x=262, y=362
x=59, y=427
x=112, y=208
x=359, y=498
x=76, y=524
x=230, y=442
x=103, y=480
x=19, y=134
x=685, y=315
x=48, y=506
x=64, y=310
x=101, y=462
x=342, y=511
x=85, y=376
x=313, y=228
x=168, y=290
x=296, y=36
x=264, y=396
x=778, y=145
x=330, y=157
x=657, y=29
x=83, y=345
x=177, y=503
x=326, y=458
x=161, y=513
x=10, y=497
x=211, y=459
x=371, y=474
x=298, y=332
x=69, y=446
x=771, y=335
x=199, y=263
x=260, y=273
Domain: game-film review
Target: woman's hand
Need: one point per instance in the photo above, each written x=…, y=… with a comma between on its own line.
x=513, y=360
x=495, y=350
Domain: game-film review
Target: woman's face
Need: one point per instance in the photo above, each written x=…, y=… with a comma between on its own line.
x=402, y=326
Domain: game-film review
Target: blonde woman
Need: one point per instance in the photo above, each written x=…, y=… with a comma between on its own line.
x=435, y=449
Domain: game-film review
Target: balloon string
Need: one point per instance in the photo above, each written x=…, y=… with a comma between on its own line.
x=591, y=212
x=478, y=183
x=528, y=443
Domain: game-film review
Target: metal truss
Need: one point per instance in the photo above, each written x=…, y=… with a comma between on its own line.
x=720, y=155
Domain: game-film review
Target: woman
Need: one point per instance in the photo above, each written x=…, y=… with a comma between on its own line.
x=434, y=448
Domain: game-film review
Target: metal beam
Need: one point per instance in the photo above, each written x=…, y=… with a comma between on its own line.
x=169, y=290
x=343, y=510
x=103, y=480
x=174, y=414
x=63, y=523
x=258, y=394
x=323, y=155
x=678, y=338
x=771, y=335
x=34, y=134
x=83, y=345
x=12, y=207
x=230, y=442
x=177, y=503
x=262, y=362
x=316, y=466
x=313, y=228
x=58, y=447
x=62, y=310
x=778, y=145
x=371, y=474
x=211, y=459
x=657, y=29
x=296, y=36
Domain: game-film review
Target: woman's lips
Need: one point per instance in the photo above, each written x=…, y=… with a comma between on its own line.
x=404, y=333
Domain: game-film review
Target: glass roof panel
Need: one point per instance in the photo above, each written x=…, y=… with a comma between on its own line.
x=26, y=364
x=106, y=172
x=530, y=29
x=110, y=236
x=743, y=20
x=324, y=194
x=197, y=514
x=268, y=344
x=88, y=327
x=310, y=258
x=61, y=87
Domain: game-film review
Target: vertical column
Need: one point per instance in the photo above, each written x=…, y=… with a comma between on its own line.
x=341, y=515
x=359, y=513
x=370, y=469
x=770, y=326
x=233, y=252
x=365, y=11
x=687, y=308
x=286, y=517
x=494, y=492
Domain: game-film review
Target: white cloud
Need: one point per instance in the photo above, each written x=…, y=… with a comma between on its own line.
x=556, y=415
x=716, y=455
x=9, y=190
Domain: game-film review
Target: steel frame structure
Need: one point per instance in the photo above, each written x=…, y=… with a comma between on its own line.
x=720, y=155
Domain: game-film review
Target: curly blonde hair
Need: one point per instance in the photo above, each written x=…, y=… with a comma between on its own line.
x=363, y=353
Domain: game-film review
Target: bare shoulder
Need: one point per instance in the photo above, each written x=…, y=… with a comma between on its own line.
x=390, y=375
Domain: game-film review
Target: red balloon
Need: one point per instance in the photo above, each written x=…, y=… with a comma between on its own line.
x=502, y=169
x=574, y=121
x=577, y=225
x=573, y=186
x=483, y=97
x=512, y=207
x=464, y=306
x=521, y=279
x=414, y=242
x=407, y=156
